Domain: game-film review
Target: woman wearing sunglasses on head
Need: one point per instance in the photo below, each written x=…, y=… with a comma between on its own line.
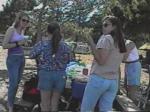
x=108, y=55
x=13, y=41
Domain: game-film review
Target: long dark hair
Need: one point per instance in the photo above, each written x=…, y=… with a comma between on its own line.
x=54, y=29
x=117, y=33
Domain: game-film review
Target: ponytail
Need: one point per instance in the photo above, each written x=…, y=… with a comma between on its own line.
x=54, y=29
x=55, y=41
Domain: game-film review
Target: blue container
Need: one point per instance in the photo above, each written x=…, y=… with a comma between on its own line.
x=78, y=89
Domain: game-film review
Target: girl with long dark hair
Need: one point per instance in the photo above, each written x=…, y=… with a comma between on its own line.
x=108, y=55
x=52, y=55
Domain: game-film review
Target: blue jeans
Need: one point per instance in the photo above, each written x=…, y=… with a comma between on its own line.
x=133, y=73
x=15, y=65
x=101, y=89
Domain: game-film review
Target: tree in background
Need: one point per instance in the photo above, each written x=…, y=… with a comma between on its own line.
x=135, y=14
x=66, y=11
x=81, y=13
x=7, y=16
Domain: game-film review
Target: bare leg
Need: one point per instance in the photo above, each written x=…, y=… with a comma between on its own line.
x=133, y=93
x=45, y=101
x=55, y=101
x=10, y=109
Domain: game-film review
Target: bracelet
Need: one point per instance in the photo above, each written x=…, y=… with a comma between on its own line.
x=17, y=45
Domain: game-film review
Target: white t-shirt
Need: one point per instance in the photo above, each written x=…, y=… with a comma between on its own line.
x=110, y=69
x=133, y=55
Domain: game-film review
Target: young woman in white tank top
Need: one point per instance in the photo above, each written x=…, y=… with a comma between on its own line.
x=132, y=70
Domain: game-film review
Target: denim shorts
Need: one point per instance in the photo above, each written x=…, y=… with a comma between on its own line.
x=133, y=73
x=52, y=80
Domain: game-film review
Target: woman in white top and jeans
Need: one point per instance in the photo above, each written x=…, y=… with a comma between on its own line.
x=132, y=70
x=108, y=55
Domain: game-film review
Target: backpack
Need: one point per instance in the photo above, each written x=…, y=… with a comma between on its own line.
x=30, y=91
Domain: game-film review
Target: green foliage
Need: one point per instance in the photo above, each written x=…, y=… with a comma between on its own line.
x=7, y=16
x=70, y=30
x=135, y=17
x=74, y=32
x=72, y=16
x=76, y=15
x=136, y=14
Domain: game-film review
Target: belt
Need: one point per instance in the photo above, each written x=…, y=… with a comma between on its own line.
x=131, y=61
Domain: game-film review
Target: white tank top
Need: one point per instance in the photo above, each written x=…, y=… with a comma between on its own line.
x=133, y=55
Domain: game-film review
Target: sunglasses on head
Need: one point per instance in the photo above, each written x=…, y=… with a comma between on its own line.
x=25, y=20
x=106, y=24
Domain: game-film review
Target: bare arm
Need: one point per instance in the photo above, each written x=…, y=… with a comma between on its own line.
x=129, y=47
x=8, y=35
x=100, y=55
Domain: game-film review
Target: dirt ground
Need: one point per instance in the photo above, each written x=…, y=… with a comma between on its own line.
x=31, y=69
